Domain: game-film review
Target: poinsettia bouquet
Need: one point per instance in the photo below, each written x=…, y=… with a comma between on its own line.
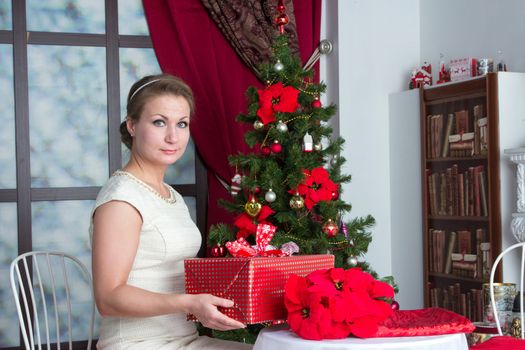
x=336, y=303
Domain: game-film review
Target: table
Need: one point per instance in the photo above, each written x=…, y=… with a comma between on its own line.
x=279, y=338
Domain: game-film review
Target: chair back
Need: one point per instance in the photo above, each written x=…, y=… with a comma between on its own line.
x=492, y=294
x=51, y=291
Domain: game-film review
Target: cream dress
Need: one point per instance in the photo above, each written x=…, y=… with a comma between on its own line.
x=168, y=236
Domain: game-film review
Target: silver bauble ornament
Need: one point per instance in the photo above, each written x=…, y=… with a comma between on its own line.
x=270, y=196
x=318, y=146
x=281, y=127
x=278, y=66
x=351, y=260
x=258, y=125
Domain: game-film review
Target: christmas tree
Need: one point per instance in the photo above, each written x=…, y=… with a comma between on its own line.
x=292, y=178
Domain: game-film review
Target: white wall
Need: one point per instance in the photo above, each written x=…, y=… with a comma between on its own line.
x=378, y=46
x=473, y=28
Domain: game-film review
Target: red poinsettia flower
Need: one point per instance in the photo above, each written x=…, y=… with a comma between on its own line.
x=329, y=282
x=316, y=187
x=352, y=299
x=307, y=316
x=247, y=225
x=276, y=98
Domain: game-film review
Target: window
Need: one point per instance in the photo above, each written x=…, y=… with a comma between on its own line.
x=65, y=69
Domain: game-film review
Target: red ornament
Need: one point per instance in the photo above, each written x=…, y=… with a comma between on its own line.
x=276, y=147
x=394, y=305
x=330, y=228
x=280, y=6
x=335, y=195
x=316, y=103
x=265, y=150
x=218, y=251
x=256, y=190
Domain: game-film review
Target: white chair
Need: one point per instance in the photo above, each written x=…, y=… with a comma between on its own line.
x=47, y=286
x=492, y=274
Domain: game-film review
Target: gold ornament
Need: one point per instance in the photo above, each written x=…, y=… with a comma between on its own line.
x=297, y=202
x=252, y=207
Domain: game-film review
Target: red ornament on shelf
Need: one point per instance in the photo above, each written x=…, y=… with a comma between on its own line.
x=316, y=103
x=276, y=147
x=330, y=228
x=218, y=251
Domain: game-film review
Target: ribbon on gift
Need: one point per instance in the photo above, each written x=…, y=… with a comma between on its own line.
x=263, y=236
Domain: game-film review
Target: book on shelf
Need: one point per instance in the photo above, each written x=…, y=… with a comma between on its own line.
x=483, y=193
x=462, y=122
x=448, y=132
x=464, y=242
x=483, y=135
x=487, y=262
x=461, y=145
x=450, y=249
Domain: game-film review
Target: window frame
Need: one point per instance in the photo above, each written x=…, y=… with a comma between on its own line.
x=23, y=195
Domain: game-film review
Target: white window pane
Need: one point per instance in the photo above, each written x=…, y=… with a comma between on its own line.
x=68, y=116
x=131, y=19
x=6, y=21
x=71, y=16
x=7, y=119
x=8, y=251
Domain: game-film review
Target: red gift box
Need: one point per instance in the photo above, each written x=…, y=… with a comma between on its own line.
x=255, y=284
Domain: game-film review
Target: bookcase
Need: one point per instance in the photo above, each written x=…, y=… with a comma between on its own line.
x=461, y=146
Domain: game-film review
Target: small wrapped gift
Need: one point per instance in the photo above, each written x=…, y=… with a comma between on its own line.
x=255, y=284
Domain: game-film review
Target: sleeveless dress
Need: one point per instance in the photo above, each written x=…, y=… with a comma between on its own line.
x=168, y=236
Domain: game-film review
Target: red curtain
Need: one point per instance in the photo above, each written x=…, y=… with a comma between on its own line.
x=188, y=44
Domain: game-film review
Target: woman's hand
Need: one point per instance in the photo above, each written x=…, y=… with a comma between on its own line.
x=204, y=307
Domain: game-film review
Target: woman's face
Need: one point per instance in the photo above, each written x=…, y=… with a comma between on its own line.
x=162, y=133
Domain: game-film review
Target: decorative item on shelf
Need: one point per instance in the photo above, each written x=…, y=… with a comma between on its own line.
x=218, y=251
x=252, y=207
x=330, y=228
x=444, y=73
x=483, y=331
x=421, y=76
x=308, y=143
x=258, y=125
x=485, y=66
x=463, y=68
x=297, y=202
x=502, y=66
x=270, y=196
x=281, y=127
x=278, y=66
x=276, y=147
x=235, y=187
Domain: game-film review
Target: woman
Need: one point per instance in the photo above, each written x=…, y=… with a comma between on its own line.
x=142, y=232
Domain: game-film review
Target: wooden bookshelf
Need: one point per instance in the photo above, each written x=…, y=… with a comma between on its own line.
x=460, y=186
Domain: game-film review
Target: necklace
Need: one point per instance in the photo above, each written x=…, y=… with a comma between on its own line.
x=172, y=199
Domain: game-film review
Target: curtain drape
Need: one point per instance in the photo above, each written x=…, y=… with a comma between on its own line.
x=188, y=43
x=249, y=27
